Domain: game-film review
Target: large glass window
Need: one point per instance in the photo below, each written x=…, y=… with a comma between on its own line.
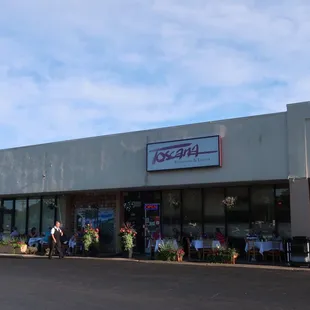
x=7, y=216
x=214, y=212
x=283, y=211
x=262, y=209
x=20, y=215
x=34, y=214
x=171, y=213
x=192, y=212
x=48, y=213
x=238, y=216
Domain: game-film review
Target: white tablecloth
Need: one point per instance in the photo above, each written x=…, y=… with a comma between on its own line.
x=264, y=246
x=72, y=243
x=198, y=244
x=34, y=241
x=159, y=242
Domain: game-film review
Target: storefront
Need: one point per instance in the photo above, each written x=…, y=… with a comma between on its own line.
x=263, y=208
x=178, y=174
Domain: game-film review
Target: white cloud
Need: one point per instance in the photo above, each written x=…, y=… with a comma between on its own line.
x=72, y=68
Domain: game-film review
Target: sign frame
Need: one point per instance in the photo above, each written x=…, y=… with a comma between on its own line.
x=218, y=151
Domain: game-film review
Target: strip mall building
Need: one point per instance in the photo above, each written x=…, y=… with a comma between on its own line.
x=173, y=179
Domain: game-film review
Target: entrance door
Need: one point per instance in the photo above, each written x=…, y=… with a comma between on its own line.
x=106, y=225
x=104, y=220
x=152, y=221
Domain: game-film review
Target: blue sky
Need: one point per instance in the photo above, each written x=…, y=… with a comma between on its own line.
x=72, y=69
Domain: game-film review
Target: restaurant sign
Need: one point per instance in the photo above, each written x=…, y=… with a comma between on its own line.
x=182, y=154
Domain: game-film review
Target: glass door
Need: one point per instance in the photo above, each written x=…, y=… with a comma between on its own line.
x=101, y=218
x=152, y=222
x=106, y=225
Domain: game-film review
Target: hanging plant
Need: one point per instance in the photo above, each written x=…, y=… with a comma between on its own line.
x=173, y=201
x=229, y=202
x=128, y=206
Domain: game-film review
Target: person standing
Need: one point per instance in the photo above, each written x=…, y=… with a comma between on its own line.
x=55, y=240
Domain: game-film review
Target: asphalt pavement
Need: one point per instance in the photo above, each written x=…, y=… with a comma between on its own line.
x=90, y=284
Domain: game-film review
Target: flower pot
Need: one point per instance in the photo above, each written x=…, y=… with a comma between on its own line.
x=235, y=256
x=21, y=250
x=127, y=254
x=180, y=258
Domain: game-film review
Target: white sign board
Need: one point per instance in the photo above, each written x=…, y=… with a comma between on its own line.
x=182, y=154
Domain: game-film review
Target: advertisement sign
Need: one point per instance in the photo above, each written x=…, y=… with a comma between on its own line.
x=182, y=154
x=151, y=206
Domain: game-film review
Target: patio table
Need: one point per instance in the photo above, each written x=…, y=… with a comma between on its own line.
x=198, y=244
x=264, y=246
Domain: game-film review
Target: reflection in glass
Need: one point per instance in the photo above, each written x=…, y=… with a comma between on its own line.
x=192, y=219
x=34, y=214
x=262, y=209
x=283, y=212
x=171, y=213
x=238, y=216
x=214, y=212
x=61, y=210
x=20, y=215
x=48, y=213
x=7, y=216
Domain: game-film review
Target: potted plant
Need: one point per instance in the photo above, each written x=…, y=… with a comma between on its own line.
x=20, y=246
x=180, y=253
x=128, y=235
x=91, y=239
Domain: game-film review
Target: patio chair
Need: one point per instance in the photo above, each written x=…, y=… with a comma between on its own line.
x=191, y=250
x=252, y=251
x=207, y=248
x=79, y=247
x=275, y=251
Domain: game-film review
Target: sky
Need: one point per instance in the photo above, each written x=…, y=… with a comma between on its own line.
x=72, y=69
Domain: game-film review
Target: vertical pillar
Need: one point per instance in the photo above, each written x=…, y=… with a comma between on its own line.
x=300, y=207
x=119, y=218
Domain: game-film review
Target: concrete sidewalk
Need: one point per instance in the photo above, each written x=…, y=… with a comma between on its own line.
x=146, y=261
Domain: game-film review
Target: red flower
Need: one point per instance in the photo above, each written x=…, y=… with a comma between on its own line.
x=86, y=230
x=97, y=230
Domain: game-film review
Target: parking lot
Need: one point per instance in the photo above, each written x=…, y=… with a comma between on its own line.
x=80, y=284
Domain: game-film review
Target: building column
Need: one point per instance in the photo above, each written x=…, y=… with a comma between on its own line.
x=300, y=207
x=118, y=221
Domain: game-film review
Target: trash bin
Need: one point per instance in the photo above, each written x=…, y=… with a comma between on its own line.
x=298, y=251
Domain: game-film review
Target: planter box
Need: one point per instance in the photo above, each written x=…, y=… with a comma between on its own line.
x=7, y=249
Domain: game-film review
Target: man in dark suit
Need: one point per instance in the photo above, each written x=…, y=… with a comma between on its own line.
x=55, y=240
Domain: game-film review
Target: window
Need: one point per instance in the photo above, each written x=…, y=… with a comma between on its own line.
x=283, y=211
x=61, y=210
x=7, y=216
x=238, y=216
x=214, y=212
x=34, y=214
x=48, y=213
x=20, y=215
x=192, y=212
x=171, y=213
x=262, y=209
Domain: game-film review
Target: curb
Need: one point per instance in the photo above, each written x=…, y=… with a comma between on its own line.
x=196, y=264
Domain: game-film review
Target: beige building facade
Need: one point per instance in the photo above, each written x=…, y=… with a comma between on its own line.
x=262, y=160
